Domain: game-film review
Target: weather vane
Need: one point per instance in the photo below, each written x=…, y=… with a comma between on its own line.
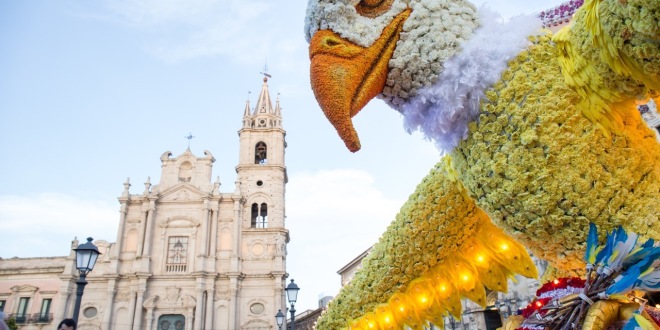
x=189, y=137
x=265, y=72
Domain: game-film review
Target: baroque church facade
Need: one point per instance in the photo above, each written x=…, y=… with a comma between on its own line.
x=186, y=255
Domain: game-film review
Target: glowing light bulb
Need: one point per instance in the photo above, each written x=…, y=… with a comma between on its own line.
x=504, y=247
x=422, y=299
x=556, y=281
x=465, y=277
x=539, y=304
x=443, y=288
x=480, y=258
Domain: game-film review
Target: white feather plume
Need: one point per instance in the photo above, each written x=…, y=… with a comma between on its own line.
x=443, y=111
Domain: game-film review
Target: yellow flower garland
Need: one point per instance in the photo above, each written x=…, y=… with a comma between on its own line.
x=440, y=246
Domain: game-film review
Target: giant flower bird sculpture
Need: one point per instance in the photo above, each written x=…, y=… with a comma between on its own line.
x=539, y=132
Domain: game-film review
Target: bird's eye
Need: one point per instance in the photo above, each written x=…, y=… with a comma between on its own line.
x=373, y=8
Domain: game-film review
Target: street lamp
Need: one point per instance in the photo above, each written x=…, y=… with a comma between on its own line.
x=279, y=318
x=292, y=296
x=86, y=255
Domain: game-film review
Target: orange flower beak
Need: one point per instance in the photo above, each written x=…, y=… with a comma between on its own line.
x=345, y=76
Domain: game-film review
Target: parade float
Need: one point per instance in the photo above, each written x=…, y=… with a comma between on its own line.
x=542, y=143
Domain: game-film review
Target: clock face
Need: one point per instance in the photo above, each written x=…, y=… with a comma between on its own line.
x=257, y=308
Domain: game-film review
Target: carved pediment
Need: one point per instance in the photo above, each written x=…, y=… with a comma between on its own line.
x=182, y=193
x=123, y=295
x=222, y=294
x=256, y=324
x=24, y=288
x=179, y=222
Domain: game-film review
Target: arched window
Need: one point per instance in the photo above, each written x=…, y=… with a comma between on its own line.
x=259, y=218
x=260, y=153
x=185, y=172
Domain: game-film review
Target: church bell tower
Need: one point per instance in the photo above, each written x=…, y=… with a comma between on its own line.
x=261, y=170
x=261, y=180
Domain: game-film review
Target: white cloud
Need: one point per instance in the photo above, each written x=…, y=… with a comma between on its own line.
x=191, y=12
x=44, y=225
x=332, y=216
x=184, y=30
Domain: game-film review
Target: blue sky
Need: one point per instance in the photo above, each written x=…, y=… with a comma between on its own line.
x=93, y=92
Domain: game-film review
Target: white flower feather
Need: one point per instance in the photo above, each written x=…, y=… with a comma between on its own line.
x=443, y=111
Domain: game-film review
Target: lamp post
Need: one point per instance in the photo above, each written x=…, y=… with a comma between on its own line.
x=279, y=318
x=292, y=296
x=86, y=255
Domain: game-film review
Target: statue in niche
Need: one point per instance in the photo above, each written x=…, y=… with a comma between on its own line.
x=280, y=246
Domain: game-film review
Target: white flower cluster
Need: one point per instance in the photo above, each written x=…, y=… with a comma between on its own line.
x=443, y=109
x=341, y=17
x=434, y=32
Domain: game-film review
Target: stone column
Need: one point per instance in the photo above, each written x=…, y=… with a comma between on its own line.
x=124, y=199
x=238, y=223
x=134, y=309
x=280, y=297
x=137, y=320
x=189, y=318
x=62, y=307
x=233, y=302
x=109, y=304
x=214, y=231
x=122, y=224
x=199, y=309
x=210, y=293
x=145, y=214
x=206, y=229
x=149, y=227
x=150, y=318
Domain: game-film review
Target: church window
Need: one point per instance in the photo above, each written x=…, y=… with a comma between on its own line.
x=177, y=254
x=260, y=183
x=259, y=218
x=44, y=314
x=260, y=153
x=90, y=312
x=21, y=312
x=2, y=305
x=185, y=172
x=257, y=308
